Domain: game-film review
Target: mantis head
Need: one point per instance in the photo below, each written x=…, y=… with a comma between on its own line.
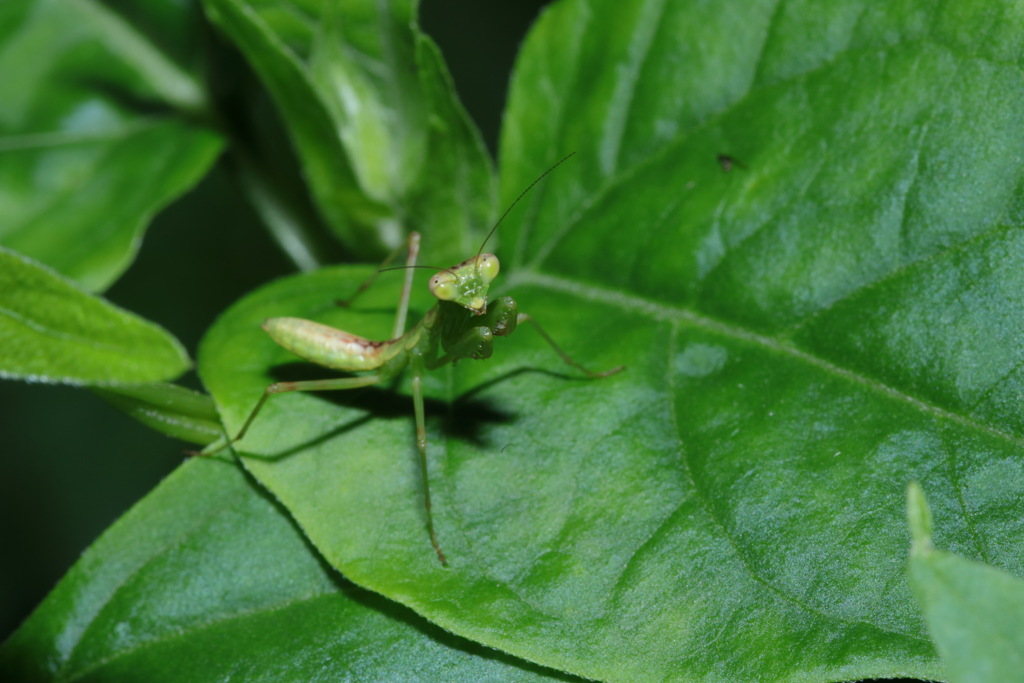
x=467, y=283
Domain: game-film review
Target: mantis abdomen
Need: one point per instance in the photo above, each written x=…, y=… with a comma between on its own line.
x=330, y=347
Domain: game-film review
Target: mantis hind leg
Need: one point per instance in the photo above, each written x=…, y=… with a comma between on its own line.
x=355, y=383
x=284, y=387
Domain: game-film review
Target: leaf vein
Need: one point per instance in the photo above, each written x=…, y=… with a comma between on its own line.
x=660, y=311
x=734, y=544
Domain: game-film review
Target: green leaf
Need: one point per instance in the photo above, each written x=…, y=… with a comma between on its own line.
x=169, y=409
x=53, y=331
x=207, y=579
x=974, y=612
x=384, y=142
x=805, y=330
x=97, y=131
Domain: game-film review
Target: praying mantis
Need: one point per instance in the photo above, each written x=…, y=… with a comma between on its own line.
x=460, y=325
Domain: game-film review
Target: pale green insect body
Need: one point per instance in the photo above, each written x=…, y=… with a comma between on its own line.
x=327, y=346
x=461, y=325
x=465, y=284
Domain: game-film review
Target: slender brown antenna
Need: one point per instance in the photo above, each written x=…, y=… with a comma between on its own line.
x=521, y=195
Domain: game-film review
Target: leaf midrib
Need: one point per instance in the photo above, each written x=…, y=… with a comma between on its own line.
x=661, y=312
x=168, y=79
x=664, y=313
x=181, y=634
x=61, y=138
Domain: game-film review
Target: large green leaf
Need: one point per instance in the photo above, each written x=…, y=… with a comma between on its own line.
x=805, y=329
x=53, y=331
x=374, y=117
x=97, y=129
x=207, y=579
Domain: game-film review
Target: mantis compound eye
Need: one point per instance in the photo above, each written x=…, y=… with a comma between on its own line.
x=487, y=265
x=444, y=286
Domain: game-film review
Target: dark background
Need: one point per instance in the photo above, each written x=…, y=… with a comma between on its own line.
x=71, y=464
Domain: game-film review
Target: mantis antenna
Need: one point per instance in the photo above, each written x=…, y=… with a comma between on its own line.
x=503, y=216
x=521, y=195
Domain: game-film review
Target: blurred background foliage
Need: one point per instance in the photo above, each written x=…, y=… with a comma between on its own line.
x=72, y=464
